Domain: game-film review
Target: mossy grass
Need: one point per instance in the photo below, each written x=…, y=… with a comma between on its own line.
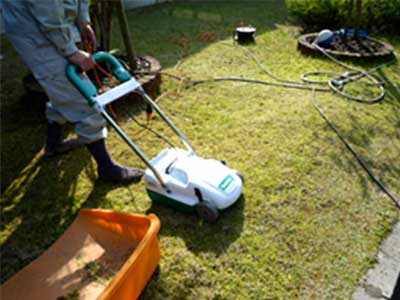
x=311, y=221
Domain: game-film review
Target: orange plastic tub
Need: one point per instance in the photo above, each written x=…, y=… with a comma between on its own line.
x=103, y=255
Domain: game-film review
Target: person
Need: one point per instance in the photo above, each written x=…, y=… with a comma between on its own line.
x=45, y=33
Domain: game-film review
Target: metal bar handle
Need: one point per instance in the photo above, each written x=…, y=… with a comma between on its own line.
x=135, y=148
x=150, y=101
x=83, y=83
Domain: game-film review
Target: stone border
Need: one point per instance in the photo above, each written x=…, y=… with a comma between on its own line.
x=307, y=48
x=381, y=280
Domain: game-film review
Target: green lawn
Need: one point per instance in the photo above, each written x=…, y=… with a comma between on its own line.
x=311, y=221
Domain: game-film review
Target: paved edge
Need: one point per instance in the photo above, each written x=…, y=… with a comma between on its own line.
x=380, y=281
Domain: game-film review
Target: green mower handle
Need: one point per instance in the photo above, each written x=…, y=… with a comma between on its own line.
x=85, y=85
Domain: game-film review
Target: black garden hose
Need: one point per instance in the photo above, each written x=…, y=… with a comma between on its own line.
x=396, y=201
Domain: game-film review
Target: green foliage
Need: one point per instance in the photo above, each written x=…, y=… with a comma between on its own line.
x=94, y=270
x=377, y=15
x=314, y=13
x=74, y=295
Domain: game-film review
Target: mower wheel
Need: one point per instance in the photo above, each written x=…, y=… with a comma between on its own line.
x=207, y=211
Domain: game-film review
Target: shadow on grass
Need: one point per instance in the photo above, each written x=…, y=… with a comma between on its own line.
x=98, y=195
x=392, y=96
x=198, y=235
x=37, y=208
x=384, y=168
x=173, y=31
x=37, y=202
x=363, y=136
x=37, y=196
x=23, y=133
x=170, y=32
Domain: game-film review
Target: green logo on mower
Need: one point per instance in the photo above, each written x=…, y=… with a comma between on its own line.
x=226, y=182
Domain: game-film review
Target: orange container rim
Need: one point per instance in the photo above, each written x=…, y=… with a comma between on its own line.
x=59, y=260
x=153, y=229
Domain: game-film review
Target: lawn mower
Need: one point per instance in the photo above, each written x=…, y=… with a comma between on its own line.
x=175, y=177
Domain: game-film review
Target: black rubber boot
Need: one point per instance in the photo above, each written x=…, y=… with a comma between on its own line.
x=108, y=169
x=55, y=143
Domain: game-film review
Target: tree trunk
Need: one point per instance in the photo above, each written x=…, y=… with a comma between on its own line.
x=123, y=22
x=357, y=20
x=102, y=16
x=350, y=9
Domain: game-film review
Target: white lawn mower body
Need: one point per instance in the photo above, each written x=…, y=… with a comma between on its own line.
x=192, y=180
